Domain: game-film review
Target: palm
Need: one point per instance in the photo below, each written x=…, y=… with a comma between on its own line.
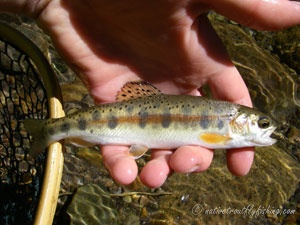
x=167, y=43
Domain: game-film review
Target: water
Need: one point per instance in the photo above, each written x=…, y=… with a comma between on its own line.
x=214, y=196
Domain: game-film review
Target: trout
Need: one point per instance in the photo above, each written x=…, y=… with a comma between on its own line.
x=144, y=118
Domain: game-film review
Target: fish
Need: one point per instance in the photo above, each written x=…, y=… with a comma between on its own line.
x=145, y=118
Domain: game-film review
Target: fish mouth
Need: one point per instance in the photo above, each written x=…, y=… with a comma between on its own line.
x=266, y=139
x=268, y=133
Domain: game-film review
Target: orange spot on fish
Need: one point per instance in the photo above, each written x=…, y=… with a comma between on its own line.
x=210, y=138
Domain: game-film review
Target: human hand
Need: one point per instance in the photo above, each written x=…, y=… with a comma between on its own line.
x=168, y=43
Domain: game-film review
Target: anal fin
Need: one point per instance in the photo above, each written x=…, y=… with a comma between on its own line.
x=137, y=151
x=80, y=143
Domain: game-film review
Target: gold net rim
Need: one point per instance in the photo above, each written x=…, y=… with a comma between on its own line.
x=54, y=162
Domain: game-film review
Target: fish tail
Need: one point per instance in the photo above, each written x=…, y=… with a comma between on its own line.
x=36, y=128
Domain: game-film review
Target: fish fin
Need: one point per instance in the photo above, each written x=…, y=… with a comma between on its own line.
x=36, y=129
x=136, y=89
x=80, y=143
x=137, y=151
x=211, y=138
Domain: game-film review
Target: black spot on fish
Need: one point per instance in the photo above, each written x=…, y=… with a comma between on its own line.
x=186, y=110
x=51, y=131
x=91, y=131
x=218, y=110
x=143, y=119
x=166, y=120
x=113, y=122
x=204, y=122
x=130, y=109
x=96, y=115
x=65, y=127
x=220, y=124
x=82, y=124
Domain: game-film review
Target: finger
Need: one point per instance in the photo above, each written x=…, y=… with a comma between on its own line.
x=122, y=168
x=156, y=171
x=189, y=159
x=228, y=85
x=239, y=161
x=105, y=89
x=260, y=14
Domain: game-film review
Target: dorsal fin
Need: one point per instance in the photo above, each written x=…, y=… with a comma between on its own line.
x=136, y=89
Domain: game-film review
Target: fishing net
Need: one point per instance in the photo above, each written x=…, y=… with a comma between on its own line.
x=22, y=95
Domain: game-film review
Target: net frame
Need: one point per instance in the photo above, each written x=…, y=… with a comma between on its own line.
x=54, y=161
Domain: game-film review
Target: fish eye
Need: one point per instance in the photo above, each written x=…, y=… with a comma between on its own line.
x=263, y=122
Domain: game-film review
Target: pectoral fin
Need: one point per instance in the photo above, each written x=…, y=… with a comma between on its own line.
x=137, y=151
x=211, y=138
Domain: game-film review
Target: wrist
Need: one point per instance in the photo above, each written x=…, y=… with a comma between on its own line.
x=28, y=7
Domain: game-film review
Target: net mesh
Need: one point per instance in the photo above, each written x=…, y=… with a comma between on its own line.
x=22, y=95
